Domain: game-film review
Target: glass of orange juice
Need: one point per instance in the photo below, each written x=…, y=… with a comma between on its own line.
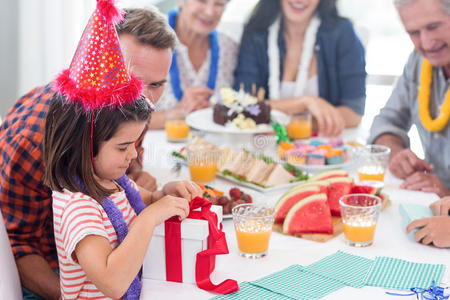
x=372, y=162
x=253, y=226
x=299, y=126
x=202, y=161
x=177, y=130
x=359, y=217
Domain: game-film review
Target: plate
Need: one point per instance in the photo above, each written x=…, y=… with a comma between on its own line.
x=203, y=120
x=320, y=168
x=257, y=187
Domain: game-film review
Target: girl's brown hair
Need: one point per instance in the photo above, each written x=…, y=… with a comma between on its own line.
x=67, y=142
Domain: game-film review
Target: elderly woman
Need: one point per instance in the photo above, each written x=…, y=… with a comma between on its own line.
x=307, y=58
x=203, y=60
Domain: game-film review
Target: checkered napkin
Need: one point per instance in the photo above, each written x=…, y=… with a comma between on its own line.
x=295, y=282
x=389, y=272
x=348, y=269
x=252, y=292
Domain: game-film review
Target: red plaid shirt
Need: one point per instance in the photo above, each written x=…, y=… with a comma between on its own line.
x=25, y=200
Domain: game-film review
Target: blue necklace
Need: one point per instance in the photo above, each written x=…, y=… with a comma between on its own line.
x=175, y=73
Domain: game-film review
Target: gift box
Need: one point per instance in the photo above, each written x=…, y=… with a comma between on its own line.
x=179, y=265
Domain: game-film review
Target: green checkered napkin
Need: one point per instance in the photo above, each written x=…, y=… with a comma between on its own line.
x=252, y=292
x=346, y=268
x=295, y=282
x=389, y=272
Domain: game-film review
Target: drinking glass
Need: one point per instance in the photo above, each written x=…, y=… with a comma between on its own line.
x=300, y=125
x=202, y=161
x=253, y=226
x=177, y=130
x=372, y=162
x=359, y=216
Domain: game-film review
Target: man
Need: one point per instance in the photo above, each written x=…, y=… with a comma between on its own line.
x=147, y=43
x=419, y=97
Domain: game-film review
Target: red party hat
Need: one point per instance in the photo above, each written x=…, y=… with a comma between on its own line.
x=97, y=76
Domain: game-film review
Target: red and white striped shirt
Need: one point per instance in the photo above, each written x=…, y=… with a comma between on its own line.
x=75, y=216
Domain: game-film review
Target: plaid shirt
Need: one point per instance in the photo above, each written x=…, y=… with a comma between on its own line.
x=25, y=201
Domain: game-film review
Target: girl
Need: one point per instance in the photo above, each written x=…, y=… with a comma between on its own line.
x=102, y=223
x=94, y=260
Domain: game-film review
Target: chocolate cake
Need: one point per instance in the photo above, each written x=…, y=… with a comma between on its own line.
x=242, y=109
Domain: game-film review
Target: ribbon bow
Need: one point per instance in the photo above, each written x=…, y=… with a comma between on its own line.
x=432, y=293
x=205, y=262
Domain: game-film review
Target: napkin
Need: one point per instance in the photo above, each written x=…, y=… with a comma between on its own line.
x=411, y=212
x=297, y=283
x=346, y=268
x=252, y=292
x=389, y=272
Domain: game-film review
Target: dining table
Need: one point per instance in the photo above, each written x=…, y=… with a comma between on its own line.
x=285, y=250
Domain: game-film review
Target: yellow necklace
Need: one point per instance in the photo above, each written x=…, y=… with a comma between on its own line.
x=424, y=101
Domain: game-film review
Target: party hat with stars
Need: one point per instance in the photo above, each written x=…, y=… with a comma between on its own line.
x=97, y=76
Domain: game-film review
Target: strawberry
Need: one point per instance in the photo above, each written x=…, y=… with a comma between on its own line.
x=249, y=198
x=235, y=193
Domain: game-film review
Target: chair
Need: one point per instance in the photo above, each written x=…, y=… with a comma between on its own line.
x=10, y=287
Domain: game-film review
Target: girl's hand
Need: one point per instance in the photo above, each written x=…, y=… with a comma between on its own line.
x=185, y=189
x=328, y=117
x=441, y=207
x=435, y=230
x=167, y=207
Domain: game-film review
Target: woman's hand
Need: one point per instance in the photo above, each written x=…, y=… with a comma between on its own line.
x=329, y=120
x=434, y=230
x=185, y=189
x=441, y=207
x=195, y=98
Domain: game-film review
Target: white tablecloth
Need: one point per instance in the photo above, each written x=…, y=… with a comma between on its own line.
x=390, y=237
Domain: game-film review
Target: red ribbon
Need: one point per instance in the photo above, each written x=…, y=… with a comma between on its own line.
x=206, y=259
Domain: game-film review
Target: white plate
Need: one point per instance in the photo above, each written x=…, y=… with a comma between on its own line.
x=257, y=187
x=203, y=120
x=320, y=168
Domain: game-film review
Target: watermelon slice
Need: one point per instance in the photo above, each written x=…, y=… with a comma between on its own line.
x=289, y=199
x=310, y=215
x=364, y=189
x=338, y=188
x=329, y=174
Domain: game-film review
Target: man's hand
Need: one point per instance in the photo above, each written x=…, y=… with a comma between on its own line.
x=425, y=182
x=434, y=230
x=195, y=98
x=328, y=117
x=405, y=163
x=441, y=207
x=144, y=179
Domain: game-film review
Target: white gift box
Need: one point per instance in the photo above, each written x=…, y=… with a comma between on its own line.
x=194, y=238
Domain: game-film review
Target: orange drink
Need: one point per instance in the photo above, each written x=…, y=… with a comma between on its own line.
x=202, y=161
x=371, y=173
x=253, y=242
x=299, y=129
x=203, y=173
x=253, y=226
x=372, y=162
x=359, y=233
x=300, y=126
x=359, y=217
x=176, y=130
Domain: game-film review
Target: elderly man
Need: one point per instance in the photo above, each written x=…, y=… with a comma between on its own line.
x=421, y=97
x=147, y=43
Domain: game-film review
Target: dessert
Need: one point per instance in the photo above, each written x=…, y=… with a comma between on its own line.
x=240, y=109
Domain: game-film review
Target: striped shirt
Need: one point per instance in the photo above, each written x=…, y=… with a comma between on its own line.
x=75, y=216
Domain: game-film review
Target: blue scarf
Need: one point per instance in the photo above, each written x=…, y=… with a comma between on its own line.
x=121, y=228
x=175, y=73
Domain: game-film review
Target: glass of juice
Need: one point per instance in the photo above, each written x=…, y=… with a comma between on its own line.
x=300, y=126
x=177, y=130
x=359, y=217
x=253, y=226
x=372, y=162
x=202, y=161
